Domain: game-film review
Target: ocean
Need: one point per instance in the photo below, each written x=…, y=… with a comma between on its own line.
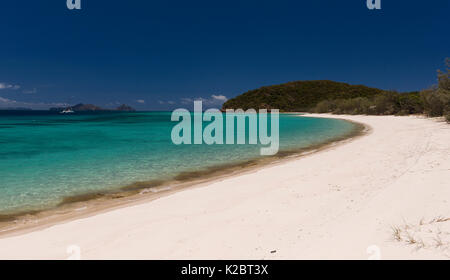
x=46, y=157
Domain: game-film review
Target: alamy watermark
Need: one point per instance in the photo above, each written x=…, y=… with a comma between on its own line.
x=374, y=4
x=76, y=4
x=374, y=252
x=213, y=133
x=74, y=252
x=73, y=4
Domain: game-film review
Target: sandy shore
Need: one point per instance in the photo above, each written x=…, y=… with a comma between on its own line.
x=385, y=194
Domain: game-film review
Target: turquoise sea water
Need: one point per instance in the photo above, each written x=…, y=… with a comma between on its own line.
x=45, y=157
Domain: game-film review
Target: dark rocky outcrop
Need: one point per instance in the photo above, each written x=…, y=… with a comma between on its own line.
x=125, y=108
x=86, y=107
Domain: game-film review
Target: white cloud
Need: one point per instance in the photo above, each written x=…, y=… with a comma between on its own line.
x=9, y=86
x=34, y=90
x=186, y=100
x=213, y=100
x=142, y=101
x=6, y=103
x=170, y=102
x=220, y=98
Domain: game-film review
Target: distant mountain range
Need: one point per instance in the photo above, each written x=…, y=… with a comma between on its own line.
x=91, y=108
x=16, y=109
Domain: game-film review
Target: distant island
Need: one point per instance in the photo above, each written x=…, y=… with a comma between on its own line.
x=93, y=108
x=16, y=109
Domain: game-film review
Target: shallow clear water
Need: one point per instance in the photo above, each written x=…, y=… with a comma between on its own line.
x=45, y=157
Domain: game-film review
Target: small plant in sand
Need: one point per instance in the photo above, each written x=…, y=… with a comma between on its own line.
x=433, y=234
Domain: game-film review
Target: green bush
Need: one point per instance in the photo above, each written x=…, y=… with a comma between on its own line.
x=437, y=99
x=410, y=103
x=435, y=102
x=326, y=106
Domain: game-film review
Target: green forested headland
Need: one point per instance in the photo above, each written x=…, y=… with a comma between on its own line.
x=325, y=96
x=298, y=96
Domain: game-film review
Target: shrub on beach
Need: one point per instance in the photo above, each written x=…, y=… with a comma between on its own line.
x=383, y=104
x=433, y=102
x=325, y=106
x=410, y=103
x=386, y=104
x=436, y=100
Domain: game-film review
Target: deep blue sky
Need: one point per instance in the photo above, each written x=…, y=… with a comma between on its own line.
x=159, y=51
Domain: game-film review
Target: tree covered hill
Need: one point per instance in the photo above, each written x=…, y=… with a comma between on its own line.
x=298, y=95
x=342, y=98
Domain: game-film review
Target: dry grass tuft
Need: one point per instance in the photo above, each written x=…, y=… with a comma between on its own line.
x=426, y=234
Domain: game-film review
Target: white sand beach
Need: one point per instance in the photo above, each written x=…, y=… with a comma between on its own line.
x=382, y=195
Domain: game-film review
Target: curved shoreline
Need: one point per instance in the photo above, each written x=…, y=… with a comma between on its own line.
x=333, y=204
x=90, y=204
